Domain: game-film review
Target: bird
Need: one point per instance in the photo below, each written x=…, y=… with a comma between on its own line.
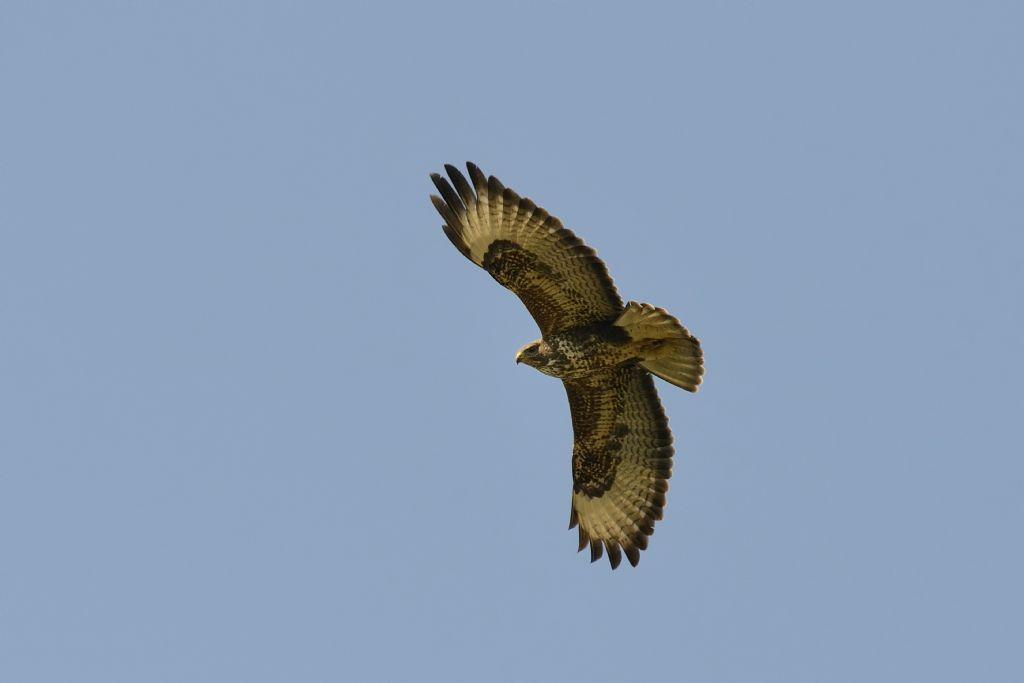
x=604, y=351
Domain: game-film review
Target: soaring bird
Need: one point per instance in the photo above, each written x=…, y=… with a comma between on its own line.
x=604, y=352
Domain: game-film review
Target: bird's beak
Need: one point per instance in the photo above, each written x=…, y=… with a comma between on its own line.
x=519, y=357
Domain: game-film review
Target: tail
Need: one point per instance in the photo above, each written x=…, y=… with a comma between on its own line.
x=667, y=349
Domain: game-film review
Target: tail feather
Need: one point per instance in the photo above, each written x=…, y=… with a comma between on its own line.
x=667, y=349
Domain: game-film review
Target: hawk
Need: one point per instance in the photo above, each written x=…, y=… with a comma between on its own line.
x=604, y=352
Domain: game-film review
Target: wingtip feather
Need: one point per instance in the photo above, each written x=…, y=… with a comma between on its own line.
x=476, y=175
x=461, y=185
x=614, y=555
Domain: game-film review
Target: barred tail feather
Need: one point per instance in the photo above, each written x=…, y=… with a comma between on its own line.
x=667, y=349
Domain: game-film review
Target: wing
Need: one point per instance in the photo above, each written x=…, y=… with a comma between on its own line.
x=560, y=279
x=621, y=461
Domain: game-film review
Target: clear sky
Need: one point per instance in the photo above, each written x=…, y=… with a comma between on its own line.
x=262, y=422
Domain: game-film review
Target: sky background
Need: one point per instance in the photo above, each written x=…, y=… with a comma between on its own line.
x=262, y=422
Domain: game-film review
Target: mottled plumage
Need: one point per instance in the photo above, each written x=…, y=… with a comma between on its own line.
x=602, y=350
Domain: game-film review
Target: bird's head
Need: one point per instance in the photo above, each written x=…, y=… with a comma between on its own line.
x=533, y=354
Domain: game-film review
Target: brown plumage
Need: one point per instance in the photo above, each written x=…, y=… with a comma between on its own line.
x=601, y=349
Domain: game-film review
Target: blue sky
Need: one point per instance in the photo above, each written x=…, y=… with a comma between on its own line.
x=262, y=422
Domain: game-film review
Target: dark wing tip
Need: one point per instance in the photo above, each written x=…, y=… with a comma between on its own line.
x=453, y=200
x=476, y=174
x=632, y=554
x=483, y=182
x=596, y=550
x=440, y=205
x=438, y=181
x=614, y=555
x=461, y=185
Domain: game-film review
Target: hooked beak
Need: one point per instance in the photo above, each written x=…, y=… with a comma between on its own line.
x=519, y=357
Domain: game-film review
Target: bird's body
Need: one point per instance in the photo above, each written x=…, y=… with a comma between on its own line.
x=601, y=349
x=579, y=351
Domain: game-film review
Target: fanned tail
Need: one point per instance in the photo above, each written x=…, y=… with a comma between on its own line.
x=667, y=348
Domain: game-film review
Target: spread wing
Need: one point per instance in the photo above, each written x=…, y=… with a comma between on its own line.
x=621, y=461
x=560, y=279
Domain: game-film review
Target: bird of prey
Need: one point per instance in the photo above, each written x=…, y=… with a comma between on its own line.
x=604, y=352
